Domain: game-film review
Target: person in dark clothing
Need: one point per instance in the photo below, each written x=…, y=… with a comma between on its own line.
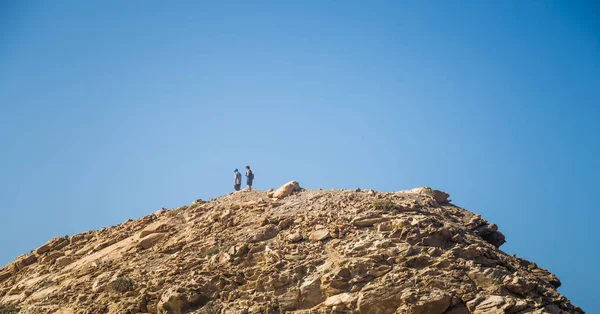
x=249, y=178
x=237, y=180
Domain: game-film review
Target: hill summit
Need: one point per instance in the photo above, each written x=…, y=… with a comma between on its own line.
x=286, y=251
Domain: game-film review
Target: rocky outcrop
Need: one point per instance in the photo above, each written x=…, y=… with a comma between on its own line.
x=287, y=251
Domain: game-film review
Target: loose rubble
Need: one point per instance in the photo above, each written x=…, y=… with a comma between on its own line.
x=288, y=250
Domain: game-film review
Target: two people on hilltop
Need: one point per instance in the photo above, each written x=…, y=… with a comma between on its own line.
x=237, y=179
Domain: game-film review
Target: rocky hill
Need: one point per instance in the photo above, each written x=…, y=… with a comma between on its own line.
x=286, y=251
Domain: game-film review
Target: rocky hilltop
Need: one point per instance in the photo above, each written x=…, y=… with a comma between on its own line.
x=286, y=251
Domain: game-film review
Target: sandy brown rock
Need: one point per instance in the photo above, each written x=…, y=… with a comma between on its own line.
x=286, y=189
x=5, y=274
x=63, y=261
x=288, y=251
x=154, y=228
x=150, y=240
x=319, y=235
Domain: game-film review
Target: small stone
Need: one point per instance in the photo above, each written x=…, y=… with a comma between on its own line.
x=319, y=235
x=294, y=237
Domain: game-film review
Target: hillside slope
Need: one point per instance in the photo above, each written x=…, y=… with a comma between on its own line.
x=287, y=251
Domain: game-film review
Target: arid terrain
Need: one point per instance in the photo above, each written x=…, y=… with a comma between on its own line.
x=286, y=251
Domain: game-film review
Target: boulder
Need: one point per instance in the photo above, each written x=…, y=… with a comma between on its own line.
x=56, y=243
x=440, y=197
x=43, y=249
x=490, y=233
x=24, y=261
x=286, y=189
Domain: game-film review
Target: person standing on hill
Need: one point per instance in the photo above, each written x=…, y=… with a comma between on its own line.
x=237, y=180
x=249, y=178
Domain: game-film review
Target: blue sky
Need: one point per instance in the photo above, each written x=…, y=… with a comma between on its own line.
x=110, y=110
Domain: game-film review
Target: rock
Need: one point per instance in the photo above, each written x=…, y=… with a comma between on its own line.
x=56, y=243
x=402, y=249
x=238, y=250
x=459, y=309
x=150, y=240
x=286, y=189
x=519, y=285
x=63, y=261
x=179, y=301
x=377, y=298
x=60, y=243
x=24, y=261
x=244, y=253
x=285, y=223
x=319, y=235
x=43, y=249
x=346, y=299
x=435, y=302
x=546, y=276
x=5, y=274
x=294, y=237
x=367, y=221
x=490, y=305
x=332, y=284
x=265, y=233
x=154, y=229
x=440, y=196
x=50, y=258
x=289, y=300
x=104, y=244
x=310, y=293
x=491, y=234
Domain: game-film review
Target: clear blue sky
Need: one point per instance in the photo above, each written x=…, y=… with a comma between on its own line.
x=113, y=109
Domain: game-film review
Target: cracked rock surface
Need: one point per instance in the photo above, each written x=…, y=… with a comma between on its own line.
x=286, y=251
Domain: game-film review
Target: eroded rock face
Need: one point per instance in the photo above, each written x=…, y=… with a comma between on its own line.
x=287, y=251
